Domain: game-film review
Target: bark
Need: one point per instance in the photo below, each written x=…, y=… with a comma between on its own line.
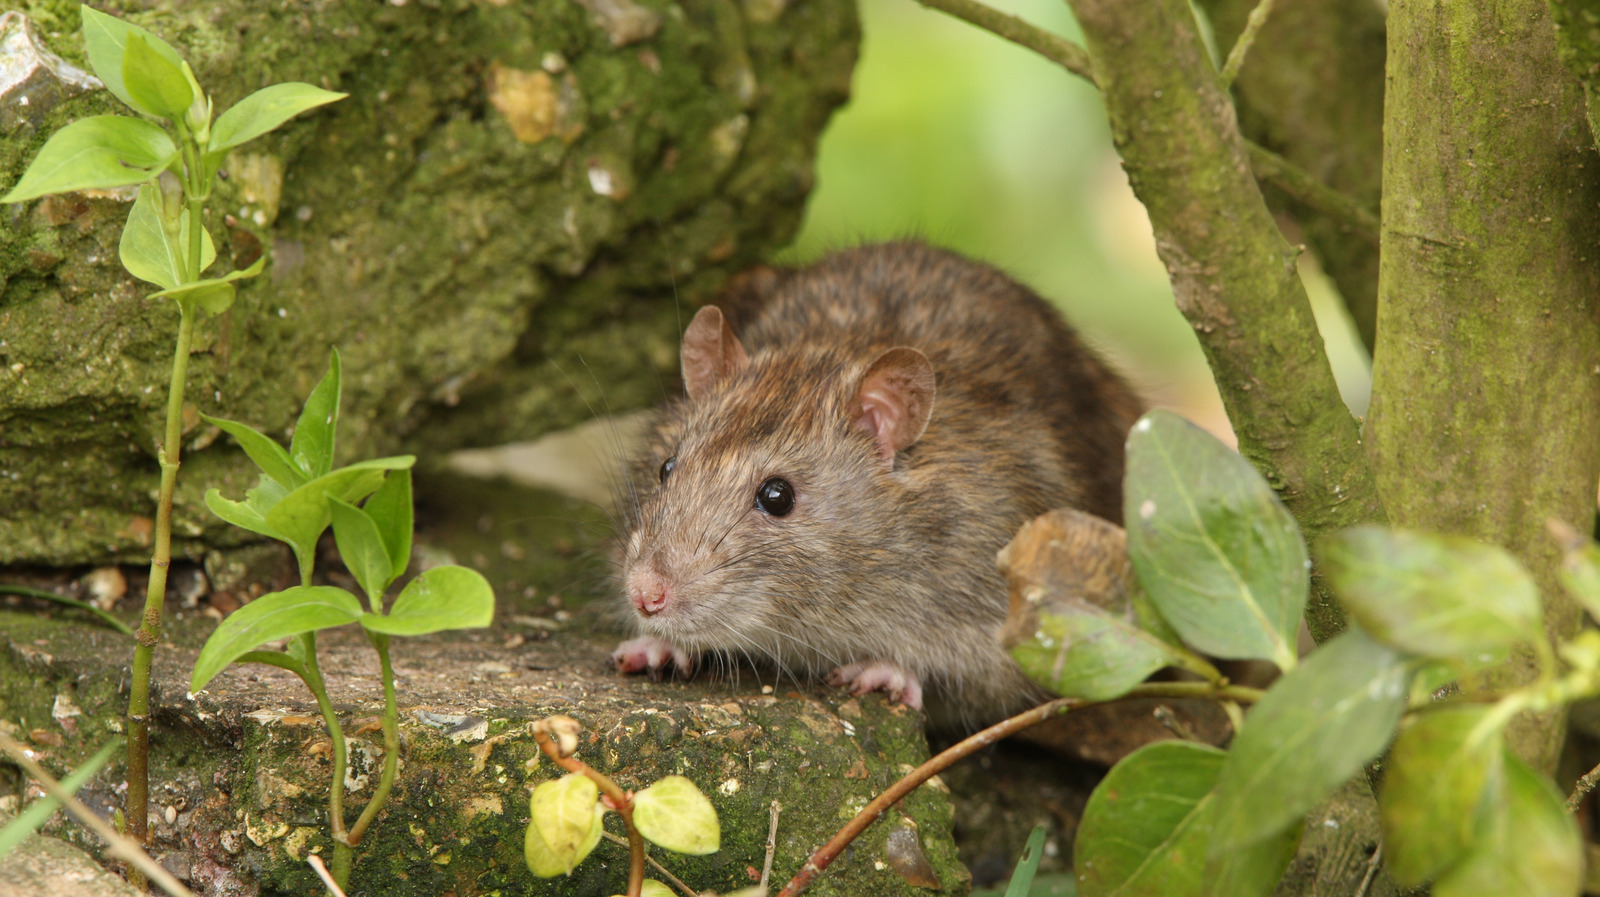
x=1485, y=417
x=1311, y=90
x=1232, y=272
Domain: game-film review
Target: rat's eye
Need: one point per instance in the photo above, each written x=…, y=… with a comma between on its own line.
x=666, y=467
x=775, y=496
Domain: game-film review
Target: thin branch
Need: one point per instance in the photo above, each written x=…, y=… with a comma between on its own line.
x=1584, y=786
x=1247, y=38
x=1299, y=184
x=772, y=847
x=1051, y=46
x=327, y=878
x=117, y=845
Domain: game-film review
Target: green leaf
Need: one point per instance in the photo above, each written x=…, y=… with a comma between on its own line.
x=105, y=39
x=361, y=547
x=264, y=110
x=38, y=812
x=674, y=814
x=312, y=446
x=652, y=888
x=303, y=514
x=155, y=83
x=213, y=295
x=1580, y=572
x=1084, y=652
x=565, y=826
x=146, y=250
x=266, y=453
x=269, y=618
x=1027, y=864
x=279, y=659
x=1315, y=728
x=96, y=153
x=448, y=597
x=242, y=514
x=1532, y=849
x=1214, y=548
x=390, y=509
x=1442, y=782
x=1432, y=595
x=1149, y=823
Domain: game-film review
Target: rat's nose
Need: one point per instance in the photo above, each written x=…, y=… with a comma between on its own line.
x=648, y=591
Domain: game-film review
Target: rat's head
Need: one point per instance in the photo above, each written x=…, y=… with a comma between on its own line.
x=769, y=496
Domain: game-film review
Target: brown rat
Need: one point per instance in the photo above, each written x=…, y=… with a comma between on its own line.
x=858, y=440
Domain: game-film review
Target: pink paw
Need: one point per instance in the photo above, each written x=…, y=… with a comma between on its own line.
x=650, y=654
x=879, y=675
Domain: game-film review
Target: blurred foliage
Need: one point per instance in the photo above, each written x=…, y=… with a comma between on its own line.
x=962, y=139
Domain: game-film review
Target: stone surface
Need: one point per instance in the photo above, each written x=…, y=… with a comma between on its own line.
x=41, y=865
x=499, y=229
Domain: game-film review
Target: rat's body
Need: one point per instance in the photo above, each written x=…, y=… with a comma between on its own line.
x=816, y=514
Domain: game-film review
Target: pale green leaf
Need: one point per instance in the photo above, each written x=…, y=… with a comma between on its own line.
x=448, y=597
x=266, y=453
x=105, y=39
x=565, y=826
x=1441, y=783
x=213, y=295
x=271, y=617
x=315, y=430
x=303, y=514
x=361, y=548
x=155, y=83
x=96, y=153
x=265, y=110
x=243, y=514
x=1027, y=864
x=146, y=249
x=1084, y=652
x=1214, y=548
x=390, y=509
x=674, y=814
x=38, y=813
x=1532, y=849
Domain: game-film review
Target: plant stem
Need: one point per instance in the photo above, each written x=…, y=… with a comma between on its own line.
x=1247, y=37
x=1051, y=46
x=149, y=635
x=342, y=852
x=391, y=742
x=830, y=851
x=620, y=801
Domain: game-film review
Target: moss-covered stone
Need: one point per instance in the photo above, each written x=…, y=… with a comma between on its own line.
x=513, y=197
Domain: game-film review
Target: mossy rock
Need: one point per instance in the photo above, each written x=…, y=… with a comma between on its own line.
x=513, y=197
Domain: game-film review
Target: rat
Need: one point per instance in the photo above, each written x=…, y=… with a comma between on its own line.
x=857, y=440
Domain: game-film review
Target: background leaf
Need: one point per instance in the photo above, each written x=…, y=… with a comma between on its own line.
x=316, y=428
x=448, y=597
x=147, y=252
x=1148, y=824
x=96, y=153
x=1315, y=728
x=1214, y=548
x=154, y=82
x=1440, y=783
x=105, y=39
x=361, y=547
x=1432, y=595
x=565, y=825
x=1532, y=849
x=264, y=110
x=269, y=618
x=674, y=814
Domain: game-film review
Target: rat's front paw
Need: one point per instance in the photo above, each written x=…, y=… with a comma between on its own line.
x=650, y=654
x=879, y=675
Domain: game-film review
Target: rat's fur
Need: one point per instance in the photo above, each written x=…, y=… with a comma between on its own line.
x=888, y=556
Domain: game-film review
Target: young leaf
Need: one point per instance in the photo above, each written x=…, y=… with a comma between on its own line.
x=565, y=826
x=674, y=814
x=147, y=252
x=390, y=509
x=1083, y=652
x=1442, y=781
x=213, y=295
x=448, y=597
x=155, y=83
x=105, y=39
x=1147, y=826
x=96, y=153
x=1214, y=548
x=267, y=454
x=264, y=110
x=1316, y=727
x=312, y=446
x=243, y=514
x=1432, y=595
x=361, y=547
x=269, y=618
x=1532, y=849
x=303, y=514
x=38, y=812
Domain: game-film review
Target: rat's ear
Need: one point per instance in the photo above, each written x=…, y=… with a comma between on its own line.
x=710, y=351
x=896, y=400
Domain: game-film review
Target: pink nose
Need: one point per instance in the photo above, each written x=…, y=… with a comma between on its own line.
x=648, y=592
